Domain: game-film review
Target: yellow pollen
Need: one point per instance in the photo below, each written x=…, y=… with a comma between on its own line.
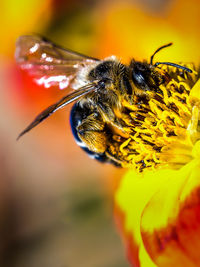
x=164, y=128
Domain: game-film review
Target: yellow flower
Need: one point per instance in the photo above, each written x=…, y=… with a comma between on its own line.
x=158, y=205
x=159, y=210
x=160, y=137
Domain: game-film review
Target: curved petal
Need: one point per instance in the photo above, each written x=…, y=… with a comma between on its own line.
x=133, y=194
x=132, y=247
x=170, y=223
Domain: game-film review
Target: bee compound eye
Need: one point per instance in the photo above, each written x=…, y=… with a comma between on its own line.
x=141, y=74
x=138, y=75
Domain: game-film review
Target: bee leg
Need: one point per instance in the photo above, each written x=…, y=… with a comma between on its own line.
x=111, y=118
x=92, y=134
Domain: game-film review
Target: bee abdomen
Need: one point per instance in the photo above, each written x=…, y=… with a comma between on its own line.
x=77, y=115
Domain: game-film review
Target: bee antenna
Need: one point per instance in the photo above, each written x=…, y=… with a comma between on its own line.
x=160, y=48
x=173, y=65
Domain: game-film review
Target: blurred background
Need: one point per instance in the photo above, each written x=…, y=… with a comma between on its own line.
x=56, y=204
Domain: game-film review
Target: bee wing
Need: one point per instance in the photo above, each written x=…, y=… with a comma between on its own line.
x=49, y=63
x=60, y=104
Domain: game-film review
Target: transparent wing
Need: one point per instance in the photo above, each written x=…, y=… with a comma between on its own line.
x=60, y=104
x=50, y=64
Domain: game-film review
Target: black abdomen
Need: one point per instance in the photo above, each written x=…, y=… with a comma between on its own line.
x=77, y=115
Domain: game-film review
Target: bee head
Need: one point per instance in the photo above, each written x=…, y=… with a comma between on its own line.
x=141, y=75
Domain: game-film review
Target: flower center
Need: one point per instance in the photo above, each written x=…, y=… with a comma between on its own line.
x=165, y=127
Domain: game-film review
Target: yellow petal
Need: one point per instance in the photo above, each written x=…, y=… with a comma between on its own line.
x=170, y=223
x=133, y=194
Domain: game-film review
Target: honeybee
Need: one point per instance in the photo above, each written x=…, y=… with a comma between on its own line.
x=105, y=93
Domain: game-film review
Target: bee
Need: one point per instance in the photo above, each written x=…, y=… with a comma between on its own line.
x=104, y=91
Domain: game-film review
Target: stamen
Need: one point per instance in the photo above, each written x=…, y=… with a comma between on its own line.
x=161, y=136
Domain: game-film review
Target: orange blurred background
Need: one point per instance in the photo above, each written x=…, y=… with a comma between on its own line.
x=55, y=202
